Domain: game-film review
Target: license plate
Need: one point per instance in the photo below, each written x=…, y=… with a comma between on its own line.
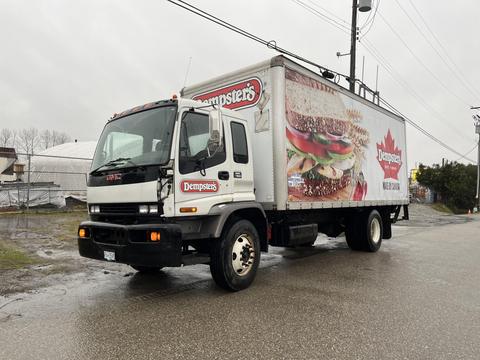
x=109, y=255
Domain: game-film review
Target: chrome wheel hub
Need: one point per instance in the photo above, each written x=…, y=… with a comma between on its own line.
x=375, y=230
x=243, y=254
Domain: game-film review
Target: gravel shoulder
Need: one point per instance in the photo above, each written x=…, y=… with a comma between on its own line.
x=40, y=249
x=422, y=215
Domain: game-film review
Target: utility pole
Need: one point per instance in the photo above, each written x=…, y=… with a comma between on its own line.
x=353, y=46
x=477, y=131
x=365, y=5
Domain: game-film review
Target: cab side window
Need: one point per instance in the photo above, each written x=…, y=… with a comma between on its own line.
x=239, y=140
x=194, y=136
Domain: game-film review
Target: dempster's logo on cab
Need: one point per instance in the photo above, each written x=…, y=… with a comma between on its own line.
x=389, y=156
x=199, y=186
x=239, y=95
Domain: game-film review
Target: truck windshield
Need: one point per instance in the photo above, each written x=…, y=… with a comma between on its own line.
x=136, y=140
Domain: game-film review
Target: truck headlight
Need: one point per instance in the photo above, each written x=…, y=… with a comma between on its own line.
x=94, y=209
x=153, y=209
x=143, y=209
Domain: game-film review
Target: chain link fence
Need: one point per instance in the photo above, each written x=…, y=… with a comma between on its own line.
x=44, y=180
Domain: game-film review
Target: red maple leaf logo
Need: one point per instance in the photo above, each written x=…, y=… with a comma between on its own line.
x=390, y=157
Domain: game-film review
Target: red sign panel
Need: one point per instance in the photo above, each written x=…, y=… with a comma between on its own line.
x=389, y=156
x=235, y=96
x=199, y=186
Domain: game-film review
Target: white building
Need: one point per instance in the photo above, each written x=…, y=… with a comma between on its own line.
x=66, y=165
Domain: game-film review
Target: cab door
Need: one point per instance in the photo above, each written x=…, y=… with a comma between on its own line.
x=242, y=167
x=203, y=178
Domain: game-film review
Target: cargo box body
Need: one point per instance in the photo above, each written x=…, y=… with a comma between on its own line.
x=315, y=144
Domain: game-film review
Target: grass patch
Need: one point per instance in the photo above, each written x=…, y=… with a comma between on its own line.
x=14, y=258
x=442, y=208
x=39, y=212
x=71, y=227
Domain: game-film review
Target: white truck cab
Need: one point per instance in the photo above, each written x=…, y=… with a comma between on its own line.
x=165, y=178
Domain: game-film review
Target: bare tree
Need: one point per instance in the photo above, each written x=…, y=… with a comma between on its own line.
x=5, y=137
x=59, y=138
x=28, y=140
x=14, y=140
x=63, y=138
x=46, y=139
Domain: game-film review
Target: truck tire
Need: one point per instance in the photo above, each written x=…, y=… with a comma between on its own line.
x=387, y=227
x=146, y=269
x=374, y=232
x=351, y=233
x=365, y=231
x=235, y=256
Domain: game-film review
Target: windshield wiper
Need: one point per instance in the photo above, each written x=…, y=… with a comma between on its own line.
x=113, y=163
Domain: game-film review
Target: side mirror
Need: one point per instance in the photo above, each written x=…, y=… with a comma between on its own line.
x=215, y=127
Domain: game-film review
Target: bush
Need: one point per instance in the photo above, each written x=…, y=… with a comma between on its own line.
x=456, y=183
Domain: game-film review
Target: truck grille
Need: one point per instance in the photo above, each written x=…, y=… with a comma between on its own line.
x=125, y=213
x=119, y=208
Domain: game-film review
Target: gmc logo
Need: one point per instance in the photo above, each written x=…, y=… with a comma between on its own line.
x=113, y=177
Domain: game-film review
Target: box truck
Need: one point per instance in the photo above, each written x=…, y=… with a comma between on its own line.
x=268, y=155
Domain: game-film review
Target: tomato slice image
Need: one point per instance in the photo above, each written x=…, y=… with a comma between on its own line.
x=307, y=146
x=340, y=148
x=297, y=133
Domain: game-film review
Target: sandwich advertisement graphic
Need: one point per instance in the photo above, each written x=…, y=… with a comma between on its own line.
x=331, y=152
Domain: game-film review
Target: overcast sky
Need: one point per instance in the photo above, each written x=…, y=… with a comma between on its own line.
x=69, y=65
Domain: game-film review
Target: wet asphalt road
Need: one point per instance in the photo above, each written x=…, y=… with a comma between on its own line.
x=417, y=298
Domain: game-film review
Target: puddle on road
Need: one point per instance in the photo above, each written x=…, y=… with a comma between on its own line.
x=117, y=282
x=85, y=282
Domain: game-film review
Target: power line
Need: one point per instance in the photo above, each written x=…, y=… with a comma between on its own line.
x=417, y=96
x=329, y=12
x=435, y=49
x=467, y=153
x=272, y=45
x=421, y=62
x=370, y=48
x=321, y=15
x=390, y=69
x=423, y=131
x=404, y=84
x=441, y=46
x=367, y=20
x=371, y=21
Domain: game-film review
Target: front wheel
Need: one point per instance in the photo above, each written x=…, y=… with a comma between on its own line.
x=235, y=256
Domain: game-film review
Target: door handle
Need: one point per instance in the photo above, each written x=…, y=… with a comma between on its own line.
x=223, y=175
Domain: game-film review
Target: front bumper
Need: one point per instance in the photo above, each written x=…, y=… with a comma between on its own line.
x=130, y=243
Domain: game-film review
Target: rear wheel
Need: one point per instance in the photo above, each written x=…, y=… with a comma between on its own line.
x=351, y=233
x=373, y=239
x=235, y=256
x=147, y=269
x=365, y=231
x=386, y=225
